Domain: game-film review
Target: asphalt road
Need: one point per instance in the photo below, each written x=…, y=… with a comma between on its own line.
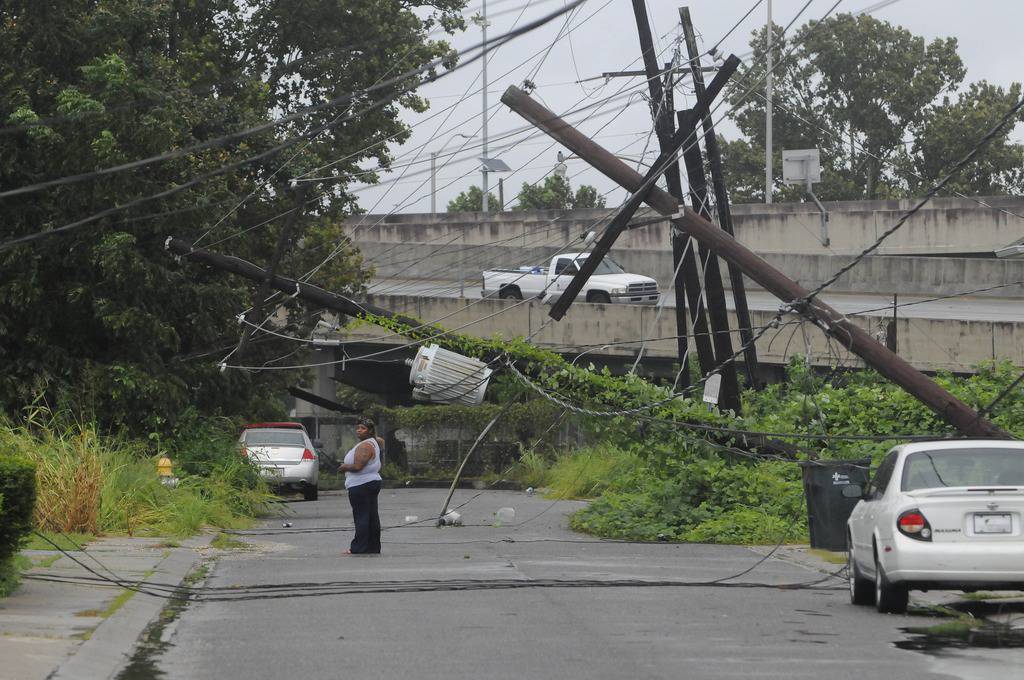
x=979, y=308
x=586, y=633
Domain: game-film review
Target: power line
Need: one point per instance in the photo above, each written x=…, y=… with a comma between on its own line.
x=302, y=113
x=231, y=166
x=1006, y=118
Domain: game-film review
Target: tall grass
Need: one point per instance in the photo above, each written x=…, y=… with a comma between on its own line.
x=589, y=472
x=107, y=485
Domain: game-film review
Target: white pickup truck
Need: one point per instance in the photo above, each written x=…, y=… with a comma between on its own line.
x=609, y=283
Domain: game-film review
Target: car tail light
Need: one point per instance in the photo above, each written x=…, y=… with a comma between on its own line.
x=913, y=524
x=245, y=451
x=308, y=455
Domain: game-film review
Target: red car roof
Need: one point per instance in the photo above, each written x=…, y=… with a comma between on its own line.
x=275, y=426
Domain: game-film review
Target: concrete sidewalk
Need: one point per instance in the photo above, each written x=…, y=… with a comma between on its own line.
x=86, y=632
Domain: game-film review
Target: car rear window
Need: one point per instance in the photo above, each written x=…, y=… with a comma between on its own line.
x=274, y=438
x=963, y=467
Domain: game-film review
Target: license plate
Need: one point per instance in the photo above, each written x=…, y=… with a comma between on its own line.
x=993, y=523
x=272, y=471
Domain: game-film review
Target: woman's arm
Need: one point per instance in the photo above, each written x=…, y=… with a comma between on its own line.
x=364, y=454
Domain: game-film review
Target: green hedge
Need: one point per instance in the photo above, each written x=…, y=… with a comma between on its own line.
x=18, y=491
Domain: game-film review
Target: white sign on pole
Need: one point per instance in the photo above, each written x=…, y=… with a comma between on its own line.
x=801, y=166
x=712, y=386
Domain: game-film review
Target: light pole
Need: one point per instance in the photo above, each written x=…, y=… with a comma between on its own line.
x=768, y=111
x=481, y=21
x=433, y=171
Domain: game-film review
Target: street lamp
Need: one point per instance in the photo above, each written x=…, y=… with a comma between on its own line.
x=433, y=170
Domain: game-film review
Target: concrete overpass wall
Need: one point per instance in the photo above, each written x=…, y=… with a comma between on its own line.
x=945, y=226
x=905, y=275
x=929, y=345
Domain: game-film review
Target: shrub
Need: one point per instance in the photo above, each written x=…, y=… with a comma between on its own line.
x=693, y=495
x=17, y=501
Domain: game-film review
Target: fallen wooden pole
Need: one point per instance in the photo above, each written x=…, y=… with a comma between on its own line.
x=771, y=279
x=304, y=291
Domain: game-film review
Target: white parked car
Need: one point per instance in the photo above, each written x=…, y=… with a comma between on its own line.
x=941, y=515
x=610, y=283
x=285, y=454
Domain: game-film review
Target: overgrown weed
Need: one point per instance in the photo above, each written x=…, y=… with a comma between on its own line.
x=95, y=484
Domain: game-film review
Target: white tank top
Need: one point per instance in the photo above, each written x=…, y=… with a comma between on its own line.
x=370, y=471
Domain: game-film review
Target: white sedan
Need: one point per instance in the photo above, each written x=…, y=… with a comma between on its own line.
x=286, y=456
x=942, y=515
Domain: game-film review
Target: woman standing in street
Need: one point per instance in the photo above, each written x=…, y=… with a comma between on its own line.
x=362, y=480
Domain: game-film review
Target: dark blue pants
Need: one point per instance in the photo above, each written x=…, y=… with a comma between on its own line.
x=364, y=511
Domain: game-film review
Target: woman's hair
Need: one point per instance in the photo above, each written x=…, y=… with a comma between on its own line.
x=368, y=423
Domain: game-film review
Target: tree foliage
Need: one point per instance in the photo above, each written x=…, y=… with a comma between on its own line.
x=472, y=200
x=556, y=194
x=874, y=99
x=103, y=319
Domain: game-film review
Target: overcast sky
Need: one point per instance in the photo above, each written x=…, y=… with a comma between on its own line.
x=602, y=37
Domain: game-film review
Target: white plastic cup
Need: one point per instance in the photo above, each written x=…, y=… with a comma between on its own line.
x=411, y=518
x=505, y=516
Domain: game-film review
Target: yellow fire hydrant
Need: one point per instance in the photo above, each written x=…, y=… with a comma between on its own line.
x=166, y=473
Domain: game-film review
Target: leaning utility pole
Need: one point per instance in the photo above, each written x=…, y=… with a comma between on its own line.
x=304, y=291
x=729, y=398
x=739, y=293
x=728, y=248
x=621, y=220
x=686, y=282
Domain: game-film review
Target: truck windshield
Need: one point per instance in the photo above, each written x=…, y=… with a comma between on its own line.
x=607, y=266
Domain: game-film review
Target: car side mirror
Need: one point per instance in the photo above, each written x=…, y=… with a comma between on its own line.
x=853, y=491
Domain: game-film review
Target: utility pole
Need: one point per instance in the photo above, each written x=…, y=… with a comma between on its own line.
x=513, y=96
x=739, y=292
x=307, y=292
x=715, y=293
x=482, y=21
x=686, y=282
x=836, y=325
x=769, y=33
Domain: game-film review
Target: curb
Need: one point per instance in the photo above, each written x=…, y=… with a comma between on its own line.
x=112, y=643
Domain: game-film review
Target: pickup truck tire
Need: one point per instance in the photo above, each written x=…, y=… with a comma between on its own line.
x=510, y=293
x=599, y=296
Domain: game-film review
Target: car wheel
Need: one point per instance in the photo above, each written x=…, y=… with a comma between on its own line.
x=890, y=598
x=861, y=589
x=599, y=297
x=310, y=493
x=510, y=293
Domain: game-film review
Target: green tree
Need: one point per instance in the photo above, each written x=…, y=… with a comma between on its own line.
x=949, y=131
x=866, y=93
x=103, y=319
x=557, y=194
x=472, y=200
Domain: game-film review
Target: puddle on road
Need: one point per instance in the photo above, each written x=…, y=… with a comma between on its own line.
x=977, y=631
x=152, y=645
x=946, y=636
